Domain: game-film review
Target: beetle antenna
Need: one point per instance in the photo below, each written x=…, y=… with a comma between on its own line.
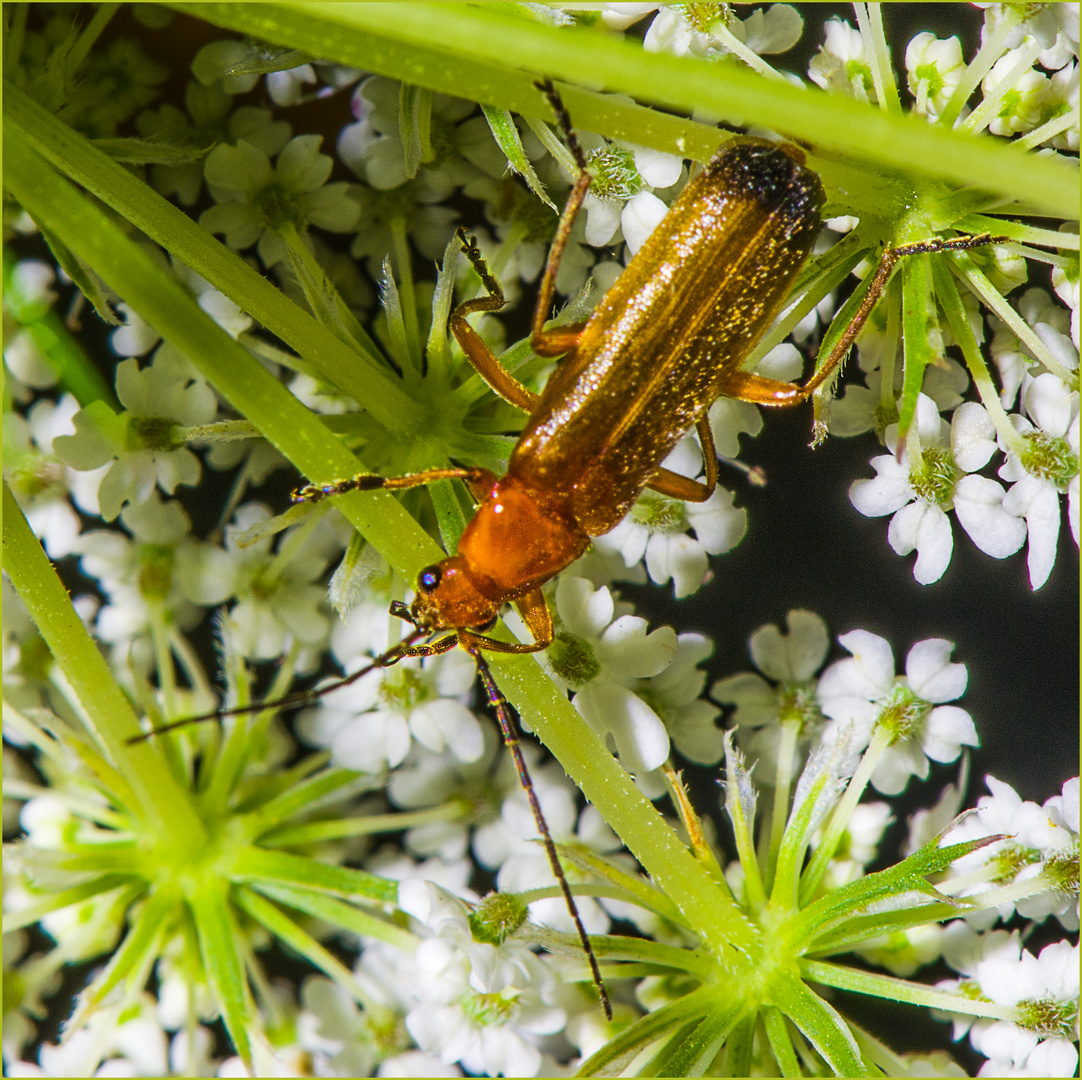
x=510, y=740
x=290, y=701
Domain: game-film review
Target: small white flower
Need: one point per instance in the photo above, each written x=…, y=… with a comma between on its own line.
x=370, y=724
x=841, y=65
x=1043, y=989
x=918, y=500
x=288, y=87
x=1048, y=468
x=601, y=659
x=255, y=200
x=497, y=965
x=656, y=528
x=935, y=68
x=864, y=691
x=790, y=661
x=276, y=603
x=143, y=444
x=1035, y=834
x=1020, y=99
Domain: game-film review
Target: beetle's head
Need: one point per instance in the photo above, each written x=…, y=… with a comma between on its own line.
x=448, y=600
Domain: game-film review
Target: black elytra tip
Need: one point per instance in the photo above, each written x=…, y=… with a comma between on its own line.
x=772, y=175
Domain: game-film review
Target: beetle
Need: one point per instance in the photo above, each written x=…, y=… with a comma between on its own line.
x=669, y=337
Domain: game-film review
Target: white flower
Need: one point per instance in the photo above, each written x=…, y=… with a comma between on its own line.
x=791, y=661
x=621, y=195
x=370, y=724
x=601, y=658
x=919, y=494
x=841, y=65
x=255, y=201
x=690, y=30
x=1042, y=989
x=498, y=961
x=145, y=444
x=489, y=1034
x=1019, y=98
x=277, y=603
x=656, y=525
x=1035, y=834
x=935, y=68
x=1048, y=468
x=287, y=87
x=510, y=843
x=864, y=691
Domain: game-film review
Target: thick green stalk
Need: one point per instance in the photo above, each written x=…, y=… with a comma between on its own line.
x=470, y=45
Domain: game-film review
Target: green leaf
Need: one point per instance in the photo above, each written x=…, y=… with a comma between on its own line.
x=151, y=151
x=340, y=914
x=303, y=796
x=137, y=951
x=86, y=282
x=279, y=867
x=638, y=890
x=506, y=135
x=27, y=916
x=822, y=1025
x=920, y=333
x=613, y=1057
x=415, y=125
x=286, y=930
x=219, y=945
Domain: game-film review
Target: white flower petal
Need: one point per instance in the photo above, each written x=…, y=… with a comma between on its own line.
x=628, y=652
x=927, y=529
x=641, y=739
x=584, y=611
x=973, y=436
x=978, y=505
x=640, y=216
x=946, y=730
x=888, y=492
x=930, y=673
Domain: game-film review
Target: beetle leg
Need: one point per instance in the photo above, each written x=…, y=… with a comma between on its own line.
x=666, y=482
x=477, y=352
x=478, y=481
x=560, y=339
x=760, y=391
x=880, y=279
x=535, y=613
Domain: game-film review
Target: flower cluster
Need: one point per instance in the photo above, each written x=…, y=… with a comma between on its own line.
x=387, y=834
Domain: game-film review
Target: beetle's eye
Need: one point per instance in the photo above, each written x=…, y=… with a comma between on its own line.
x=428, y=579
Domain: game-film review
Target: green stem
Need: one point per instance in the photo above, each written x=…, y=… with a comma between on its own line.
x=450, y=46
